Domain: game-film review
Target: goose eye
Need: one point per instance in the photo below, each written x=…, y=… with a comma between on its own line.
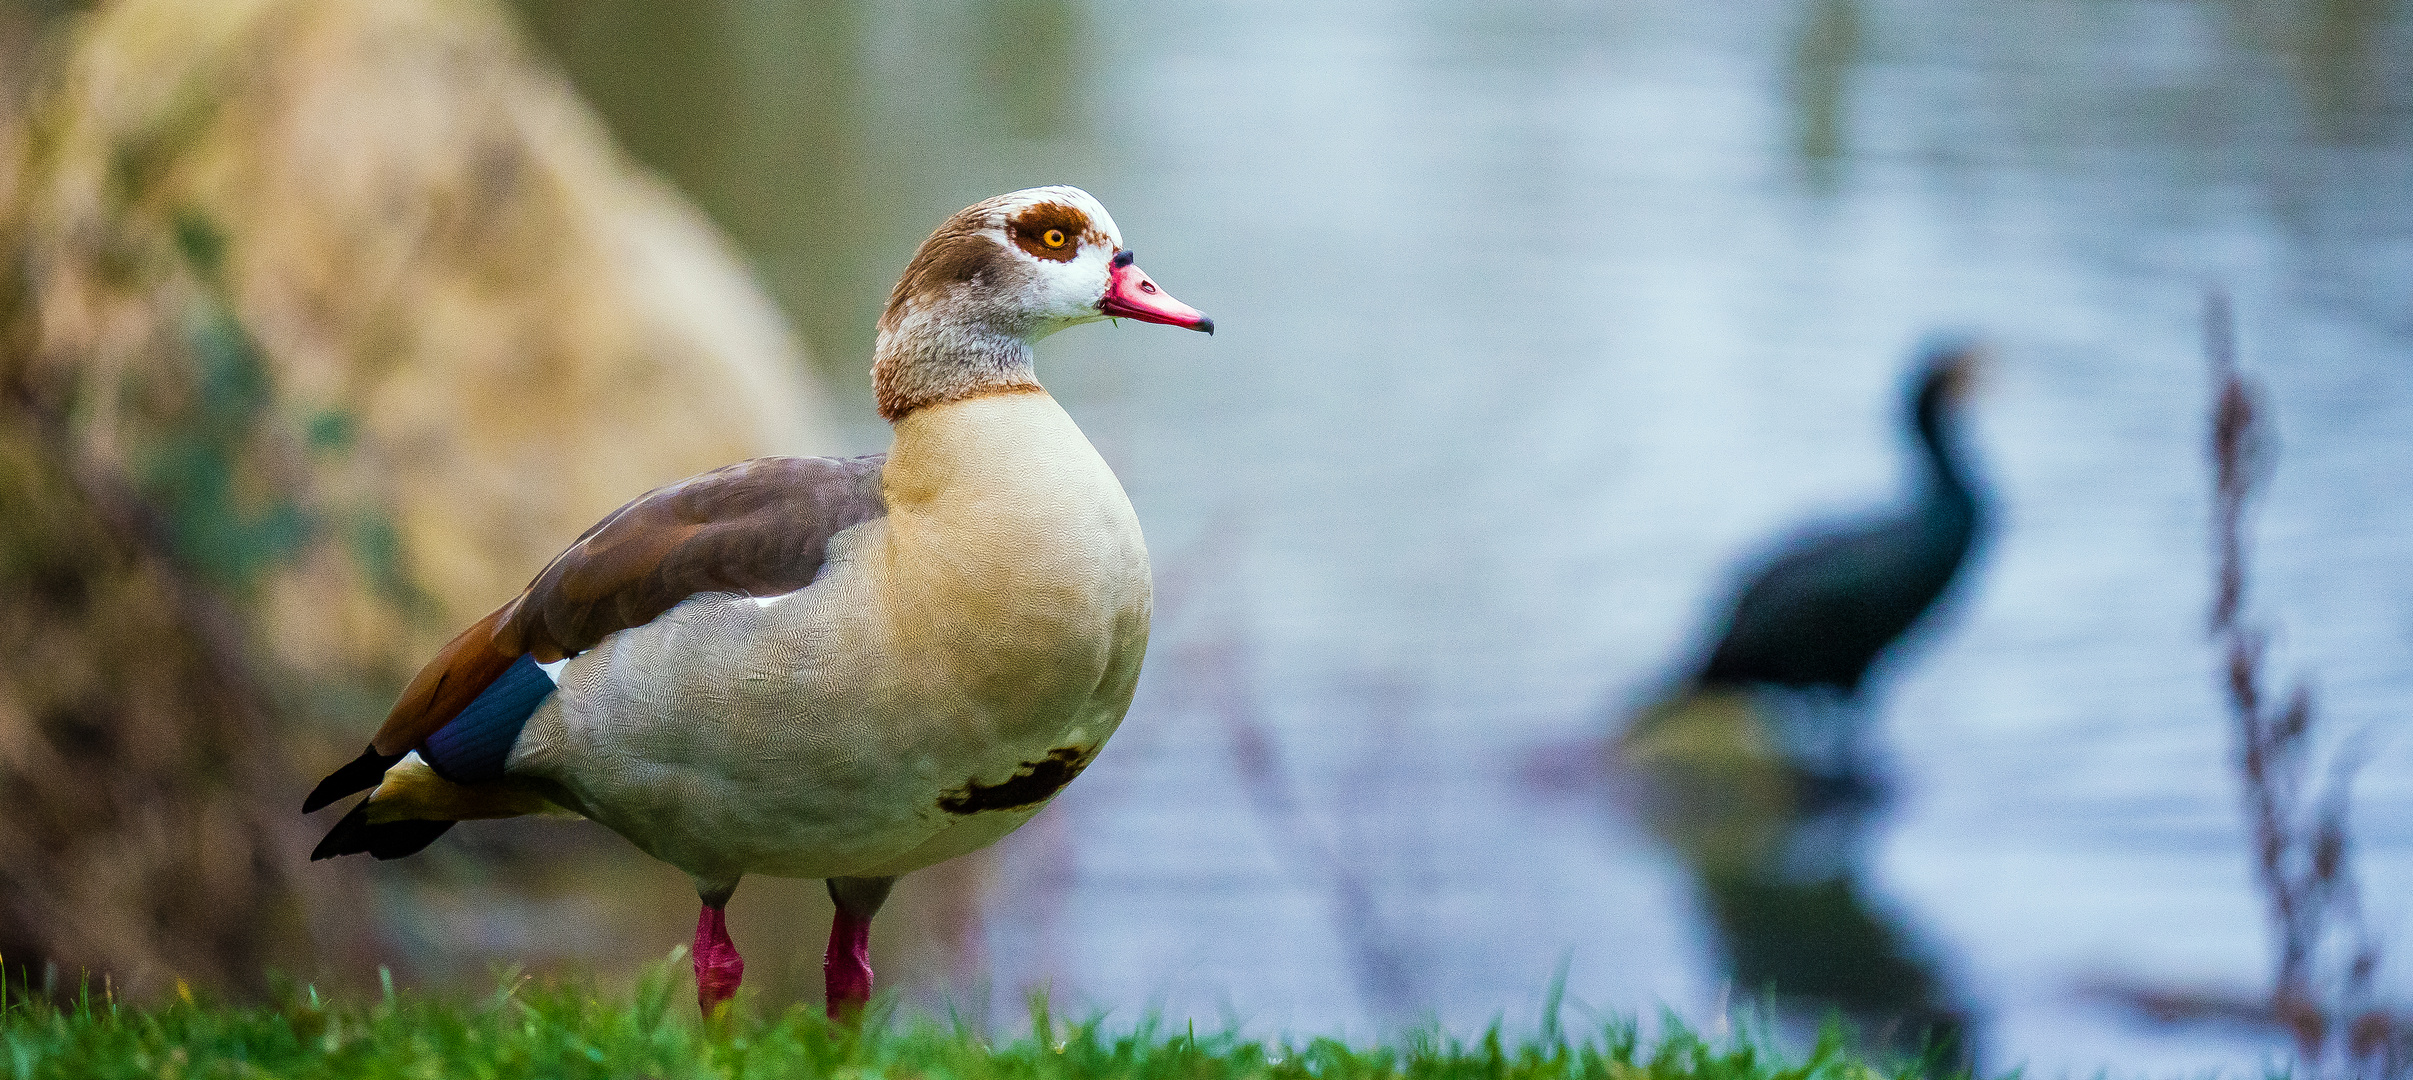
x=1053, y=238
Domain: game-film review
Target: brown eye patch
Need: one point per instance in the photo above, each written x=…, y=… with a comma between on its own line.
x=1052, y=230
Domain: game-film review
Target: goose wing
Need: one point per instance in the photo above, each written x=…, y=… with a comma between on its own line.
x=760, y=527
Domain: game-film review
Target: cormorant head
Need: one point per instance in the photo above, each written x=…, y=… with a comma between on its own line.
x=1947, y=372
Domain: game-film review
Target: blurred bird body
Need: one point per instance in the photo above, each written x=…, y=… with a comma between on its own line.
x=1822, y=613
x=1719, y=768
x=843, y=669
x=1761, y=793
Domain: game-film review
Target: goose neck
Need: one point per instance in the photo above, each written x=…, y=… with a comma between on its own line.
x=925, y=358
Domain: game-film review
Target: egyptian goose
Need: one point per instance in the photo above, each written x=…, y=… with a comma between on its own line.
x=824, y=668
x=1820, y=614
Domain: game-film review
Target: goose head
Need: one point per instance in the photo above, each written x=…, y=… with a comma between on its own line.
x=999, y=275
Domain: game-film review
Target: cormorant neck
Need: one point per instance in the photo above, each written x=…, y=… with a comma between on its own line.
x=1944, y=469
x=928, y=358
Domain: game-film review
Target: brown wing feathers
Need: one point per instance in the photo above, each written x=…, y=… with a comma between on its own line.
x=759, y=527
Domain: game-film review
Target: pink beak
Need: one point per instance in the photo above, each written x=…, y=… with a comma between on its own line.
x=1130, y=295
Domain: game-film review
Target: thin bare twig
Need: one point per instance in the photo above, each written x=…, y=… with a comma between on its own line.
x=2328, y=958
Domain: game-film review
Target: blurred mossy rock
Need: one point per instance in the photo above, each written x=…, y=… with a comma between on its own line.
x=322, y=326
x=1704, y=772
x=135, y=844
x=366, y=303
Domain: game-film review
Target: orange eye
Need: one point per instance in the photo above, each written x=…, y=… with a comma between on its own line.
x=1053, y=238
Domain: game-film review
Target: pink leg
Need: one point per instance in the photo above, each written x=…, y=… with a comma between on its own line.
x=718, y=968
x=846, y=967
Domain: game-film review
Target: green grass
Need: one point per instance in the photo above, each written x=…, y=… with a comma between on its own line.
x=531, y=1028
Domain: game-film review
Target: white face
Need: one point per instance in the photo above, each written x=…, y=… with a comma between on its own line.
x=1023, y=266
x=1060, y=244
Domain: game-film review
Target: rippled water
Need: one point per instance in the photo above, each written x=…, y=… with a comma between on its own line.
x=1534, y=319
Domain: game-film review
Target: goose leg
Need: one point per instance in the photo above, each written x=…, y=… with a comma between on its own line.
x=718, y=968
x=846, y=967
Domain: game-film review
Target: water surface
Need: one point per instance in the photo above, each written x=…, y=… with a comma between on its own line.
x=1534, y=318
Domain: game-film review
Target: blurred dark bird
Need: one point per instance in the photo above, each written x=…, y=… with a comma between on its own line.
x=1766, y=796
x=1823, y=611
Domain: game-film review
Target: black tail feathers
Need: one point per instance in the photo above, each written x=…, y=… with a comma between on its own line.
x=354, y=835
x=362, y=774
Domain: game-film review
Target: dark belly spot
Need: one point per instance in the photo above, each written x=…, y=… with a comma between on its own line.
x=1032, y=784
